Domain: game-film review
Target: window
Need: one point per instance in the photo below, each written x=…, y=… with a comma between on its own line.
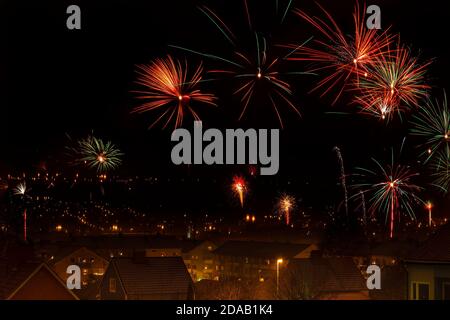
x=446, y=291
x=112, y=285
x=420, y=291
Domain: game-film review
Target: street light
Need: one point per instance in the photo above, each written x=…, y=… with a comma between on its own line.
x=279, y=261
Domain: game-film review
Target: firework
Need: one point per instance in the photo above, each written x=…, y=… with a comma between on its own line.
x=239, y=187
x=343, y=177
x=286, y=204
x=340, y=57
x=440, y=169
x=97, y=154
x=395, y=83
x=391, y=190
x=257, y=74
x=167, y=87
x=429, y=207
x=20, y=189
x=381, y=107
x=432, y=123
x=363, y=203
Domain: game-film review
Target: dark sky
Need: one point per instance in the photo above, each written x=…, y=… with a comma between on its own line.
x=55, y=81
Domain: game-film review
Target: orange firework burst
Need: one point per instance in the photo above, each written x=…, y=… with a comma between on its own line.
x=167, y=87
x=341, y=57
x=239, y=187
x=394, y=83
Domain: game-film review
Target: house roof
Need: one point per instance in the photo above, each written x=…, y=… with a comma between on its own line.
x=14, y=277
x=266, y=250
x=435, y=249
x=393, y=249
x=64, y=252
x=152, y=275
x=329, y=274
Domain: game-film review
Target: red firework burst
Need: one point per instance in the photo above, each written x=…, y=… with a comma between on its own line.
x=239, y=187
x=166, y=86
x=342, y=58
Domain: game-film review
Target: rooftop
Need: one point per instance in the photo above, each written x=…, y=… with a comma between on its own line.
x=266, y=250
x=152, y=275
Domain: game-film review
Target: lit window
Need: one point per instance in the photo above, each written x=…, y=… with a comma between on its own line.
x=420, y=291
x=112, y=285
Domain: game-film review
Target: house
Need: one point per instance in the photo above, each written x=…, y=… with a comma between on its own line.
x=91, y=264
x=323, y=279
x=199, y=260
x=390, y=253
x=255, y=260
x=32, y=281
x=428, y=268
x=110, y=246
x=165, y=246
x=147, y=278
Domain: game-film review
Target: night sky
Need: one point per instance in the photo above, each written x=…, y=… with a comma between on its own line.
x=55, y=81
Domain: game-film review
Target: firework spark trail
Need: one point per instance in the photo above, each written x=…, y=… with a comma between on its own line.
x=167, y=87
x=391, y=190
x=25, y=225
x=364, y=209
x=343, y=177
x=343, y=59
x=286, y=204
x=432, y=124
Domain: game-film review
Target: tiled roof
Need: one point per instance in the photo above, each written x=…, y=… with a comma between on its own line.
x=329, y=274
x=266, y=250
x=17, y=262
x=436, y=249
x=152, y=275
x=12, y=276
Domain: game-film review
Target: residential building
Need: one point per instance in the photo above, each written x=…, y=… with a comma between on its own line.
x=147, y=278
x=32, y=281
x=428, y=268
x=255, y=260
x=323, y=279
